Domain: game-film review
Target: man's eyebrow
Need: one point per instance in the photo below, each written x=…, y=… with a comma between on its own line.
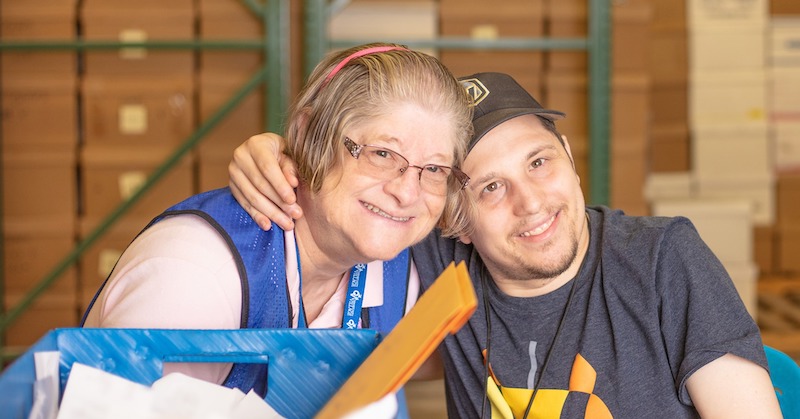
x=483, y=179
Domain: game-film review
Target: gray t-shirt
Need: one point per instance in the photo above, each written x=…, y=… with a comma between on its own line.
x=652, y=304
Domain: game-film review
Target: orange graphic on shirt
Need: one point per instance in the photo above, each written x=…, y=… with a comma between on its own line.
x=510, y=403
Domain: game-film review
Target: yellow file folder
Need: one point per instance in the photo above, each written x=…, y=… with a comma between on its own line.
x=442, y=309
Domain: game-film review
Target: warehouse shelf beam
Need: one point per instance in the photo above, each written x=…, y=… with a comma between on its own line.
x=597, y=45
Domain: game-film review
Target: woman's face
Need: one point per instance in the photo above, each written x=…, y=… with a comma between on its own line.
x=359, y=217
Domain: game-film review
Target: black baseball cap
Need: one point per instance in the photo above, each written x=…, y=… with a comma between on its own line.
x=496, y=98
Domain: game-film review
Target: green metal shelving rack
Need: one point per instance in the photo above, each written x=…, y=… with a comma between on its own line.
x=275, y=75
x=597, y=44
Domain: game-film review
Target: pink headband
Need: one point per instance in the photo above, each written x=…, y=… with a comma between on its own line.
x=360, y=53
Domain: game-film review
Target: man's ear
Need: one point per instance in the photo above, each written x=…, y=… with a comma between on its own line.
x=569, y=153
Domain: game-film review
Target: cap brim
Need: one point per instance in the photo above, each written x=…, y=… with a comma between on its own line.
x=487, y=122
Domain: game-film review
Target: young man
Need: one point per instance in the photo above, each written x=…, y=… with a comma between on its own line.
x=586, y=312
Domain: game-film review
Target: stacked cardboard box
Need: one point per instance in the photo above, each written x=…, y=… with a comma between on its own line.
x=728, y=193
x=668, y=68
x=566, y=76
x=728, y=109
x=138, y=106
x=784, y=109
x=39, y=149
x=478, y=19
x=221, y=74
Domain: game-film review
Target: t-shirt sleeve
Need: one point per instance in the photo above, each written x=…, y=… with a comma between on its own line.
x=178, y=274
x=702, y=314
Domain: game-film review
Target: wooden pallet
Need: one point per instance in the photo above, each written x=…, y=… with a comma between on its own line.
x=779, y=313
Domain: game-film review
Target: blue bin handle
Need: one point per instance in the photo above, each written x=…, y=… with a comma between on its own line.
x=305, y=366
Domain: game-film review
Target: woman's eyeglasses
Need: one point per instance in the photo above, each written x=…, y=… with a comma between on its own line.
x=386, y=164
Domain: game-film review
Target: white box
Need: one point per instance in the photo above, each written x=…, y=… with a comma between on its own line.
x=745, y=279
x=725, y=225
x=758, y=190
x=386, y=21
x=784, y=94
x=785, y=41
x=665, y=186
x=786, y=146
x=731, y=149
x=725, y=47
x=727, y=97
x=738, y=12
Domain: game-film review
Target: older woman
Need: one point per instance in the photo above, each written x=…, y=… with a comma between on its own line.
x=378, y=133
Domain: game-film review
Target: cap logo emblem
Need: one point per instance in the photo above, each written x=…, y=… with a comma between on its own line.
x=476, y=90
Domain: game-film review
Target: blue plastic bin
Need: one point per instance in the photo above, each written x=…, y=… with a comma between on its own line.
x=305, y=366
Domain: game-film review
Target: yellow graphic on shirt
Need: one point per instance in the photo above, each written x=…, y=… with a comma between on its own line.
x=510, y=403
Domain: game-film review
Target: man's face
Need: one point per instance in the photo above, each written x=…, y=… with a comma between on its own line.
x=530, y=227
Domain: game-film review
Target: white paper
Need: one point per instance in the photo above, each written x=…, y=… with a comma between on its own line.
x=253, y=406
x=385, y=408
x=46, y=386
x=94, y=394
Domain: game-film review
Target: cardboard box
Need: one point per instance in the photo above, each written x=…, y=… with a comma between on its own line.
x=566, y=19
x=111, y=175
x=784, y=95
x=764, y=249
x=241, y=26
x=784, y=7
x=44, y=314
x=630, y=108
x=669, y=15
x=669, y=186
x=627, y=177
x=669, y=149
x=720, y=150
x=669, y=57
x=37, y=21
x=630, y=36
x=38, y=183
x=758, y=190
x=787, y=196
x=33, y=249
x=212, y=167
x=568, y=92
x=135, y=22
x=40, y=114
x=246, y=119
x=727, y=97
x=525, y=67
x=491, y=11
x=670, y=103
x=786, y=147
x=723, y=47
x=99, y=259
x=735, y=12
x=137, y=113
x=784, y=41
x=788, y=249
x=724, y=224
x=237, y=9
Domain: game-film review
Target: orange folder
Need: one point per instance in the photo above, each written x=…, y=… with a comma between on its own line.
x=442, y=309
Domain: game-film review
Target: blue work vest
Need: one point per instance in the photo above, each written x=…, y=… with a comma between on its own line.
x=261, y=263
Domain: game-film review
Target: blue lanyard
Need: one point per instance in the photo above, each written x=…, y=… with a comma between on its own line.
x=355, y=295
